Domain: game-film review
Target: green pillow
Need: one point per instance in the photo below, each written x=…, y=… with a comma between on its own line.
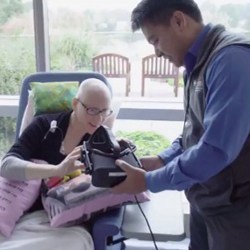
x=53, y=97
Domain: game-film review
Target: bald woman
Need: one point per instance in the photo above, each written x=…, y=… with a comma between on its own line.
x=60, y=148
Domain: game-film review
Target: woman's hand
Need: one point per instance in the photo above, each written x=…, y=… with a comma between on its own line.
x=70, y=163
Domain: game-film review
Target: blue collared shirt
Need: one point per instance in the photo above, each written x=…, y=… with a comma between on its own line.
x=191, y=56
x=226, y=122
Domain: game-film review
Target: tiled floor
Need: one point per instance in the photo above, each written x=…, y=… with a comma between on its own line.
x=153, y=89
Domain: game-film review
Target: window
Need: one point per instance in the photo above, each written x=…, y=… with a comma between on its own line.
x=17, y=58
x=16, y=44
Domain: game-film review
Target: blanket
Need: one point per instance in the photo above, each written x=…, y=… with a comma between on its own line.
x=33, y=231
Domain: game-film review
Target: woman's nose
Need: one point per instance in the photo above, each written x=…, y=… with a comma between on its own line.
x=100, y=117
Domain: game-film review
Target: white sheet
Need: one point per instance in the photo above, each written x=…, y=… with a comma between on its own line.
x=33, y=232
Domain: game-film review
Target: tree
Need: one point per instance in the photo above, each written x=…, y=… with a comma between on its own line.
x=9, y=8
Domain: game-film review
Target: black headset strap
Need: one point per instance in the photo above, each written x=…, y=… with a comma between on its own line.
x=107, y=140
x=113, y=141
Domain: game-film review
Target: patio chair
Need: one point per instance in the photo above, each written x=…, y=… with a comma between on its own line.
x=104, y=228
x=161, y=68
x=113, y=66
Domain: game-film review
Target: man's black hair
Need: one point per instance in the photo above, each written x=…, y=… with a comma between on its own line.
x=160, y=11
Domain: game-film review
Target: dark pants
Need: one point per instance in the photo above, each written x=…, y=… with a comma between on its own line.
x=227, y=231
x=198, y=231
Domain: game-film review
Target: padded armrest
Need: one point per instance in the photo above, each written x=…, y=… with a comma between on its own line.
x=106, y=225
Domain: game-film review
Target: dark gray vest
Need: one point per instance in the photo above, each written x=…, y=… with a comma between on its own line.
x=232, y=185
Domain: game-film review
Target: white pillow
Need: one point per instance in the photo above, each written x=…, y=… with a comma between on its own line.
x=29, y=113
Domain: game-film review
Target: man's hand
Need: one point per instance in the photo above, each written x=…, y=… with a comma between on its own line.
x=135, y=181
x=150, y=163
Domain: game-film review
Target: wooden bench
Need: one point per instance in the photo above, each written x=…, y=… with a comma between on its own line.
x=159, y=67
x=113, y=66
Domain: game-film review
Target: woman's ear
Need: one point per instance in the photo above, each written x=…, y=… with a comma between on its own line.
x=115, y=106
x=74, y=103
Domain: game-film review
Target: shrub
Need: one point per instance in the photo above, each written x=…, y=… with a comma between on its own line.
x=17, y=61
x=74, y=53
x=7, y=135
x=147, y=142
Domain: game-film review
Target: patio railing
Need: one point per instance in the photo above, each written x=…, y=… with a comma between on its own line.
x=9, y=108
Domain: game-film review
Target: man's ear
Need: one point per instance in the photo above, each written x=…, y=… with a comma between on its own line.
x=178, y=20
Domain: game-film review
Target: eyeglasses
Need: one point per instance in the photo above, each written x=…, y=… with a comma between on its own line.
x=95, y=111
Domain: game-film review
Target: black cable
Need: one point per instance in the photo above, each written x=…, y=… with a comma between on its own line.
x=149, y=227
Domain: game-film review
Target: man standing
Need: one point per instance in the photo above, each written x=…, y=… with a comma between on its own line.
x=211, y=159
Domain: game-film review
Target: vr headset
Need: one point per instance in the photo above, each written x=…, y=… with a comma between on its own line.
x=99, y=154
